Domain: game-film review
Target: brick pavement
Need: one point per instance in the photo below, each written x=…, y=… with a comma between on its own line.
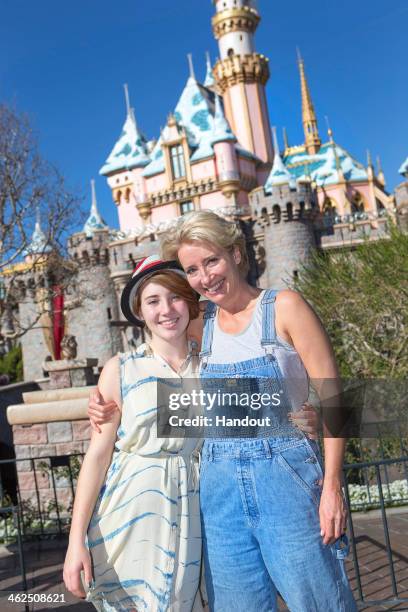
x=44, y=566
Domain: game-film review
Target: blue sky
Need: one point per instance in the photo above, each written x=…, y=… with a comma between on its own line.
x=65, y=65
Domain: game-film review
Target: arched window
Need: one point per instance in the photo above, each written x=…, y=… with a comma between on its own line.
x=230, y=52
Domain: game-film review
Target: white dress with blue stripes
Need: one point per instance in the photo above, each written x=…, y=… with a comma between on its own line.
x=145, y=535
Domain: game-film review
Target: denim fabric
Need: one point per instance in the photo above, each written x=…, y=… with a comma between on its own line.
x=259, y=506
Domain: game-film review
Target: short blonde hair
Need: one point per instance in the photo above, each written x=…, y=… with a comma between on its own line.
x=205, y=226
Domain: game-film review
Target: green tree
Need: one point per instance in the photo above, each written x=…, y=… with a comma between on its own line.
x=361, y=295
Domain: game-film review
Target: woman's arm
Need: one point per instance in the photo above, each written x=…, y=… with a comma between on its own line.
x=91, y=477
x=297, y=323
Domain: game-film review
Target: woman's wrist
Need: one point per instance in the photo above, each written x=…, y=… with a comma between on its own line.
x=333, y=481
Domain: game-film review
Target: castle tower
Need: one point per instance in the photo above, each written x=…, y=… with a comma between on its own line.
x=93, y=304
x=34, y=305
x=312, y=138
x=223, y=142
x=241, y=75
x=123, y=169
x=284, y=210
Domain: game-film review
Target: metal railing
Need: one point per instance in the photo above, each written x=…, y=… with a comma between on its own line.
x=386, y=498
x=46, y=516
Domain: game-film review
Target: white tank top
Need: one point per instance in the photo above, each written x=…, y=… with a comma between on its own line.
x=247, y=345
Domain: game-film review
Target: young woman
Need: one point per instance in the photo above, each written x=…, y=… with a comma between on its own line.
x=137, y=496
x=271, y=521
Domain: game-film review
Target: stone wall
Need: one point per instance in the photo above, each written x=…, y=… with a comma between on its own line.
x=33, y=342
x=39, y=441
x=50, y=423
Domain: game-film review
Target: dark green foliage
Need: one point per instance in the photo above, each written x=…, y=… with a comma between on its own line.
x=12, y=364
x=361, y=295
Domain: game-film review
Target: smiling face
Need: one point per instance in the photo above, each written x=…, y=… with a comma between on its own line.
x=211, y=271
x=165, y=313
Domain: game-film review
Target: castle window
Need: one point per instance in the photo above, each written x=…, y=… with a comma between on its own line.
x=178, y=166
x=186, y=207
x=230, y=52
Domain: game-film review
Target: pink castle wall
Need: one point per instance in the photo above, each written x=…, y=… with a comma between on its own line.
x=247, y=166
x=156, y=183
x=210, y=201
x=129, y=217
x=226, y=159
x=237, y=109
x=203, y=170
x=258, y=131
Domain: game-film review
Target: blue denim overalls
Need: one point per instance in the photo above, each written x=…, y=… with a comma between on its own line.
x=259, y=505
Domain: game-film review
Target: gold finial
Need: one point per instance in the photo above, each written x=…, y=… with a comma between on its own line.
x=312, y=138
x=329, y=130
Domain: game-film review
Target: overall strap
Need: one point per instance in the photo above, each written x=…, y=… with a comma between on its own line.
x=268, y=320
x=208, y=331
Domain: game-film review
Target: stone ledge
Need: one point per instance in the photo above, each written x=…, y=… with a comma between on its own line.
x=56, y=395
x=69, y=364
x=47, y=412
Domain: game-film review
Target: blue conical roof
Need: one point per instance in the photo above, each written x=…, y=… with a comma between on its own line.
x=193, y=112
x=322, y=166
x=39, y=244
x=221, y=131
x=130, y=151
x=209, y=77
x=279, y=174
x=94, y=221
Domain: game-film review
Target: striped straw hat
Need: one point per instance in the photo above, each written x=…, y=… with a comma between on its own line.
x=147, y=266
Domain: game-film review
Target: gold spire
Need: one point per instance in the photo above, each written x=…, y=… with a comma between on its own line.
x=380, y=173
x=312, y=138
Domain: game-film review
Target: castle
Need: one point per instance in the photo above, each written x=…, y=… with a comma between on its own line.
x=217, y=151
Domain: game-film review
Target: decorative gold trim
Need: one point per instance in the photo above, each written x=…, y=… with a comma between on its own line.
x=243, y=19
x=190, y=191
x=229, y=187
x=251, y=68
x=293, y=150
x=145, y=210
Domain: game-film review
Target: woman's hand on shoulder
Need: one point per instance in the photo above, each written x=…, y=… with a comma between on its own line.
x=104, y=400
x=77, y=560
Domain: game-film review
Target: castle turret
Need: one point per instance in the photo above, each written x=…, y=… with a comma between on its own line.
x=312, y=138
x=93, y=304
x=94, y=221
x=241, y=75
x=123, y=169
x=284, y=211
x=209, y=81
x=40, y=245
x=223, y=142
